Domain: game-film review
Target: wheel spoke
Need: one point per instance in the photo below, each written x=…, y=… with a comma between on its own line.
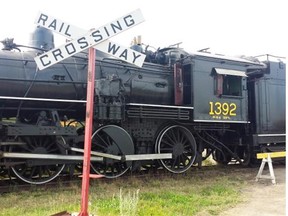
x=186, y=143
x=174, y=162
x=166, y=149
x=168, y=136
x=32, y=172
x=52, y=150
x=40, y=171
x=103, y=141
x=99, y=145
x=48, y=171
x=109, y=141
x=167, y=143
x=26, y=147
x=23, y=171
x=186, y=158
x=31, y=143
x=48, y=146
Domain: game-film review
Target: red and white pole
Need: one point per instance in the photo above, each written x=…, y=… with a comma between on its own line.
x=88, y=131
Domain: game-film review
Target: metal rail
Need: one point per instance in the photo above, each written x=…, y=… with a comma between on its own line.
x=134, y=157
x=42, y=99
x=45, y=156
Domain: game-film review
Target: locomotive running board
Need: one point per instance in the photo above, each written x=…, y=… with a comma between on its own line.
x=134, y=157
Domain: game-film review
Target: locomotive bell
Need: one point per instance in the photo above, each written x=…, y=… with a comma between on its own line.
x=42, y=38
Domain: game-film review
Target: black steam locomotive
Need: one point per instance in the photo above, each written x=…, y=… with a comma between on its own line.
x=175, y=111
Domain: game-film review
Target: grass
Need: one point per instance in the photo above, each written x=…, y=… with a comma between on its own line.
x=128, y=203
x=190, y=194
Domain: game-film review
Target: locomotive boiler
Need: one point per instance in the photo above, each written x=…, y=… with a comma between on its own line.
x=175, y=111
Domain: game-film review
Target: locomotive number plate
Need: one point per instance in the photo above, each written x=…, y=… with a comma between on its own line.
x=224, y=110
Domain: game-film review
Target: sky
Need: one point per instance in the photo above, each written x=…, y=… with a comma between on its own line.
x=230, y=27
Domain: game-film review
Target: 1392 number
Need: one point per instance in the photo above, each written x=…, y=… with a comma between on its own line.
x=217, y=108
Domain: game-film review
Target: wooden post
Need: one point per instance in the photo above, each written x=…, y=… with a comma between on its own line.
x=88, y=131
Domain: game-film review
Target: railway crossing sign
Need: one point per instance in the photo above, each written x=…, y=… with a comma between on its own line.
x=83, y=40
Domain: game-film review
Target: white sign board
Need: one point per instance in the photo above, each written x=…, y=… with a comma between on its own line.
x=71, y=31
x=87, y=40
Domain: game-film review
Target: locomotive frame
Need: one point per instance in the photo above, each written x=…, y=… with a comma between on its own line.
x=175, y=112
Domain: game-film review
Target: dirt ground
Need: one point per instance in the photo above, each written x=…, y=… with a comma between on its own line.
x=262, y=198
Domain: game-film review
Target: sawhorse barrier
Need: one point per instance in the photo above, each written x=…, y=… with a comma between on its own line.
x=267, y=158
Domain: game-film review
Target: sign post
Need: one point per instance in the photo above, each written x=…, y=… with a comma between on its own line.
x=88, y=131
x=83, y=41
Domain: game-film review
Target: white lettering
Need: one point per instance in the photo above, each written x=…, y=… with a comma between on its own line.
x=92, y=38
x=135, y=56
x=122, y=52
x=112, y=48
x=57, y=25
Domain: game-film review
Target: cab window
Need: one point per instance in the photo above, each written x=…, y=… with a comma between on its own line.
x=228, y=82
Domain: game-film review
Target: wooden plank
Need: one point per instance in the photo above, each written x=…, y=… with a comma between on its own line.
x=272, y=155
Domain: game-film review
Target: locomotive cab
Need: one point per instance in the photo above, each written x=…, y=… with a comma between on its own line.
x=222, y=84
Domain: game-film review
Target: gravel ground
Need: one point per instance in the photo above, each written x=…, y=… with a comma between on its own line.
x=262, y=198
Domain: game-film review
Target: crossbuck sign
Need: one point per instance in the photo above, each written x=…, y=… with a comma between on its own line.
x=82, y=40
